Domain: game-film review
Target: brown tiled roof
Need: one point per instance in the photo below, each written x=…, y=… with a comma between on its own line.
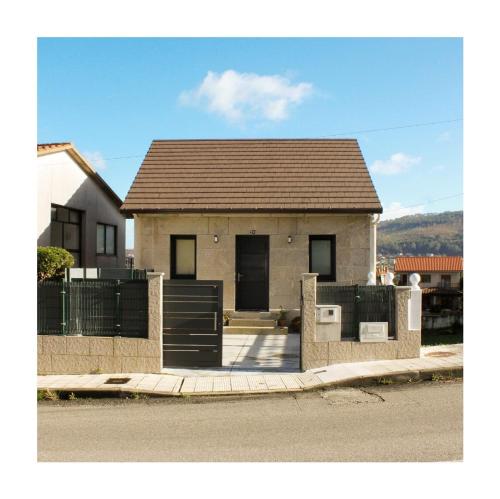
x=428, y=264
x=322, y=175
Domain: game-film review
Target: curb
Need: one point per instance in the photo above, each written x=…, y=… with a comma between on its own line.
x=358, y=381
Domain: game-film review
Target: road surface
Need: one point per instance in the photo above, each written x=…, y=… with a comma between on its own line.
x=410, y=422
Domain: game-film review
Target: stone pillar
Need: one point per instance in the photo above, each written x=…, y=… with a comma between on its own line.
x=155, y=309
x=408, y=340
x=312, y=353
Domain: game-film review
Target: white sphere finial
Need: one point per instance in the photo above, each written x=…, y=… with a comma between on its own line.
x=415, y=279
x=371, y=279
x=389, y=279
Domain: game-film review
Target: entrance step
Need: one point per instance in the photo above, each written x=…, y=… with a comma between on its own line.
x=253, y=315
x=252, y=322
x=254, y=330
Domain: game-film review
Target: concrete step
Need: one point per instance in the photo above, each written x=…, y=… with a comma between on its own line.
x=252, y=322
x=254, y=330
x=253, y=315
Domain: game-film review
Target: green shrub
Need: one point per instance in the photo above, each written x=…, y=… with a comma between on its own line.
x=52, y=261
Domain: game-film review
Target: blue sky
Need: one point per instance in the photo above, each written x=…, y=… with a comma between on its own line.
x=112, y=96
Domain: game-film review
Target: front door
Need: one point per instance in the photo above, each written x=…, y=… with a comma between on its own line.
x=252, y=272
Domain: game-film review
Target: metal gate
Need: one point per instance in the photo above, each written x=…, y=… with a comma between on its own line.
x=192, y=323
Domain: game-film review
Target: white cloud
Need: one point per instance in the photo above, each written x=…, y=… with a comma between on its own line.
x=239, y=97
x=397, y=163
x=95, y=159
x=444, y=137
x=396, y=210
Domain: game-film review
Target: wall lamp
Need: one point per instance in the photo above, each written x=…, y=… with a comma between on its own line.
x=290, y=239
x=216, y=238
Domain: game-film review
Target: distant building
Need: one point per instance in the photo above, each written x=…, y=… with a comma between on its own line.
x=441, y=283
x=435, y=271
x=77, y=210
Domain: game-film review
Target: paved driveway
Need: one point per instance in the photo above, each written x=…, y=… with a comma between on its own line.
x=253, y=354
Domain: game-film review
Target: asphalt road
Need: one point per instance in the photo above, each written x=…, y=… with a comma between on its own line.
x=411, y=422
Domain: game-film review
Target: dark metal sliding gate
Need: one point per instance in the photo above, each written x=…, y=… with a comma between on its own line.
x=192, y=323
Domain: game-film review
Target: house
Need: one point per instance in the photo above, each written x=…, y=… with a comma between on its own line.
x=256, y=214
x=441, y=280
x=77, y=210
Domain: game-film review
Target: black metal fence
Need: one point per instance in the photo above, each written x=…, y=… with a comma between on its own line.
x=93, y=308
x=360, y=304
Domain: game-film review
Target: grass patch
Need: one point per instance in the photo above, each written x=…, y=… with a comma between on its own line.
x=47, y=395
x=385, y=381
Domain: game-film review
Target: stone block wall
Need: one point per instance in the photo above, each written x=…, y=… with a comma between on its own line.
x=322, y=353
x=287, y=261
x=85, y=354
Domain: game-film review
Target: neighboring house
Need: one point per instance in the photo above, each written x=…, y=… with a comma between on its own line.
x=435, y=271
x=441, y=280
x=256, y=214
x=77, y=210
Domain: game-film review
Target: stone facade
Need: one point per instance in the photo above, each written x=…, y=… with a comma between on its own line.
x=322, y=353
x=86, y=354
x=287, y=261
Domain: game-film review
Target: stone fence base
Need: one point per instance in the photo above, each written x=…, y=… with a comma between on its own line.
x=86, y=354
x=322, y=353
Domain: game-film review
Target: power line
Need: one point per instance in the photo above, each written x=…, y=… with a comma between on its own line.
x=412, y=125
x=369, y=130
x=423, y=203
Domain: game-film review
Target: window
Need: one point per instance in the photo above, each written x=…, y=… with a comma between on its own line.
x=446, y=281
x=322, y=257
x=183, y=257
x=66, y=230
x=106, y=239
x=403, y=280
x=425, y=278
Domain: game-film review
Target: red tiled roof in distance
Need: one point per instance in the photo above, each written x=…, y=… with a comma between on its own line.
x=428, y=264
x=260, y=175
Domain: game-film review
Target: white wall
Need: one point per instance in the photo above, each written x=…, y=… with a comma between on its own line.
x=61, y=181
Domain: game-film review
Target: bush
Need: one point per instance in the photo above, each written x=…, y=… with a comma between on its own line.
x=52, y=261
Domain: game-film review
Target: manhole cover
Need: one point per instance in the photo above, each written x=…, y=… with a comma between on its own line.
x=117, y=381
x=439, y=354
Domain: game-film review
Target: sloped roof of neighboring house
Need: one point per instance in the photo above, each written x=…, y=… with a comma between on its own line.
x=428, y=264
x=273, y=175
x=44, y=149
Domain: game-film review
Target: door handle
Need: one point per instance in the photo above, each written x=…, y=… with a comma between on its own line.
x=238, y=276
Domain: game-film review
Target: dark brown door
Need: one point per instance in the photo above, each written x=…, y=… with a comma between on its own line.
x=252, y=272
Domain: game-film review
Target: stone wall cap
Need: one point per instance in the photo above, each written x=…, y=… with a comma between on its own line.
x=310, y=274
x=155, y=274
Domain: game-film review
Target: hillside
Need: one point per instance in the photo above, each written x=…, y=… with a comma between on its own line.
x=437, y=233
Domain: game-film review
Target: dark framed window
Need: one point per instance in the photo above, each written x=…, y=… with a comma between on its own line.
x=445, y=280
x=182, y=257
x=66, y=230
x=322, y=257
x=106, y=239
x=426, y=278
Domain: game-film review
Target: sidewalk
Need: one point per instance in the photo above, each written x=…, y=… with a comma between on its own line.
x=433, y=360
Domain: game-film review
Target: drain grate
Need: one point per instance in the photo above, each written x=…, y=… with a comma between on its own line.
x=117, y=381
x=439, y=354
